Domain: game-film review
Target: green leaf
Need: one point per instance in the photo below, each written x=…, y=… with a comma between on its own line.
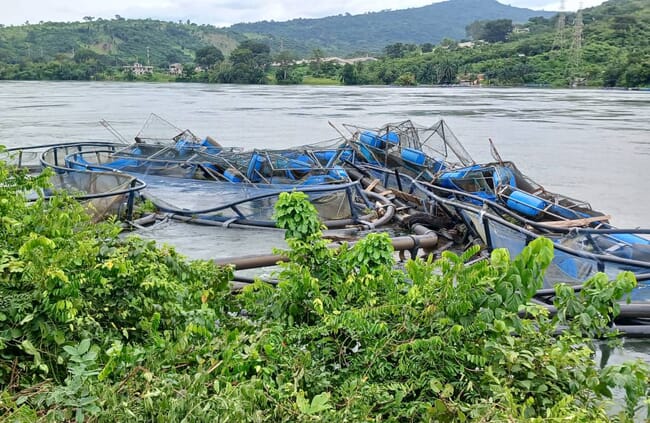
x=70, y=350
x=320, y=403
x=59, y=337
x=27, y=318
x=28, y=347
x=302, y=403
x=83, y=346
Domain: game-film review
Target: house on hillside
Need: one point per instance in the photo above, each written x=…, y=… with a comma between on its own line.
x=175, y=69
x=351, y=61
x=138, y=69
x=467, y=44
x=471, y=80
x=337, y=60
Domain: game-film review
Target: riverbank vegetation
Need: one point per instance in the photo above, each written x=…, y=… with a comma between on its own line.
x=99, y=327
x=604, y=46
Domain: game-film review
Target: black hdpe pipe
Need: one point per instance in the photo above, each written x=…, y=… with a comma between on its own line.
x=402, y=243
x=628, y=313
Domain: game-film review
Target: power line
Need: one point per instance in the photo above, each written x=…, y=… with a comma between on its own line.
x=575, y=60
x=559, y=41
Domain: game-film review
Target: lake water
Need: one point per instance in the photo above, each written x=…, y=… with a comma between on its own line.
x=589, y=144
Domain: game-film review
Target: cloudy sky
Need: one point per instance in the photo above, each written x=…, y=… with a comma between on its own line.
x=222, y=12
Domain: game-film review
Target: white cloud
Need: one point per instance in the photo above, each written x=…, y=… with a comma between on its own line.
x=222, y=12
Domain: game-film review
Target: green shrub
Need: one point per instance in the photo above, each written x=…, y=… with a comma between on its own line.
x=96, y=327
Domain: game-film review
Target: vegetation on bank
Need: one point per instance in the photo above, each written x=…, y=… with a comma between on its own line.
x=127, y=40
x=349, y=35
x=98, y=327
x=613, y=51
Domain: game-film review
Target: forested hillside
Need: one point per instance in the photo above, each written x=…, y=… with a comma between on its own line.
x=121, y=41
x=116, y=41
x=608, y=45
x=611, y=48
x=370, y=32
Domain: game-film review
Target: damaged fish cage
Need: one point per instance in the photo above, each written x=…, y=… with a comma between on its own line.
x=103, y=194
x=232, y=205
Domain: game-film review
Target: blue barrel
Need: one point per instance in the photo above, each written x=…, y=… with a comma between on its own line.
x=233, y=175
x=526, y=204
x=631, y=239
x=566, y=212
x=413, y=156
x=210, y=148
x=346, y=154
x=338, y=173
x=254, y=167
x=183, y=146
x=371, y=140
x=325, y=156
x=390, y=138
x=317, y=180
x=447, y=179
x=503, y=176
x=368, y=155
x=299, y=167
x=438, y=166
x=302, y=162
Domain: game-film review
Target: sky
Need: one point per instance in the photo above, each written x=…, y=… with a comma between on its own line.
x=222, y=12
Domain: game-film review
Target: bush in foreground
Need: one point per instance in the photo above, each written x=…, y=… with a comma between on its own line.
x=96, y=327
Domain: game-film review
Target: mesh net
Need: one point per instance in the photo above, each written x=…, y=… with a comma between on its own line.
x=436, y=141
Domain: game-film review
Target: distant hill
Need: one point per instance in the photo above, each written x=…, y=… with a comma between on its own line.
x=370, y=32
x=114, y=40
x=614, y=51
x=120, y=41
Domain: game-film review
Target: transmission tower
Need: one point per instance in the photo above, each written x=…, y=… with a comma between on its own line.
x=558, y=42
x=575, y=58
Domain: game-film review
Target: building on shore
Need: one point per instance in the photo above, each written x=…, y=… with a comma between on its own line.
x=336, y=60
x=175, y=69
x=138, y=69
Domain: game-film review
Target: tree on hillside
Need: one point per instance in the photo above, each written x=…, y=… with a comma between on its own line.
x=258, y=48
x=490, y=31
x=208, y=56
x=475, y=30
x=427, y=47
x=539, y=24
x=397, y=50
x=349, y=75
x=317, y=59
x=497, y=30
x=448, y=42
x=285, y=73
x=250, y=62
x=85, y=55
x=622, y=26
x=446, y=71
x=89, y=19
x=623, y=23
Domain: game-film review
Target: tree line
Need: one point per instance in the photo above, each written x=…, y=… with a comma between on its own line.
x=615, y=52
